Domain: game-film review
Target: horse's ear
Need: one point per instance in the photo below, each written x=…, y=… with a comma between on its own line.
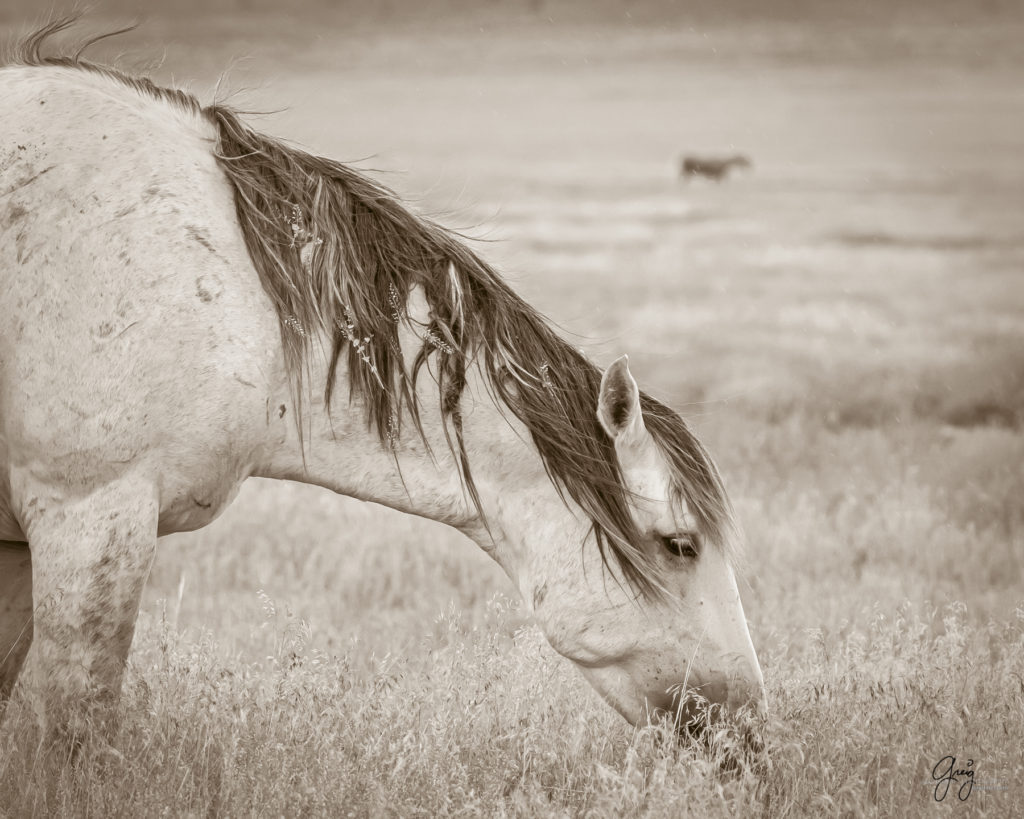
x=618, y=404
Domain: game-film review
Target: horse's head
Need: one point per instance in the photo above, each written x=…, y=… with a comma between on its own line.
x=662, y=619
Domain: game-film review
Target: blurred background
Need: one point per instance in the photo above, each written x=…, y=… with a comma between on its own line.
x=842, y=322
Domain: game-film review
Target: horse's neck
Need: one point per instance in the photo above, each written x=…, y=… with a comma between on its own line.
x=339, y=450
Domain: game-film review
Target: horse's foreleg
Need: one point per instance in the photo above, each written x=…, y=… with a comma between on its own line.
x=90, y=559
x=15, y=613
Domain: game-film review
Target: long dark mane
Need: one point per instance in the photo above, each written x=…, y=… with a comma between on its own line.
x=339, y=255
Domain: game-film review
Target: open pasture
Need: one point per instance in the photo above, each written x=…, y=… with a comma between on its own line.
x=843, y=325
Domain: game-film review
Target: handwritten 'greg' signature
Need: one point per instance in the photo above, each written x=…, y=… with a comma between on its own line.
x=946, y=773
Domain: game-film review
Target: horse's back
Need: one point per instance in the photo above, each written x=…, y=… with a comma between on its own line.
x=134, y=327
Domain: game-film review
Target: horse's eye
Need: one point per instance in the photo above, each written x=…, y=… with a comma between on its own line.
x=685, y=545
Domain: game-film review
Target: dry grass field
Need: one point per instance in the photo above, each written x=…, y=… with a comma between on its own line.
x=843, y=324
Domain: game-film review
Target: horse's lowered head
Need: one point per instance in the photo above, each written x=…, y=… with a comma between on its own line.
x=665, y=620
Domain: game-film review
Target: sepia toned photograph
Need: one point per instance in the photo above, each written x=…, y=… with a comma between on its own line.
x=512, y=408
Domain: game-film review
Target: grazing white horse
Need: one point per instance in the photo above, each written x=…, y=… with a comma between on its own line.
x=182, y=299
